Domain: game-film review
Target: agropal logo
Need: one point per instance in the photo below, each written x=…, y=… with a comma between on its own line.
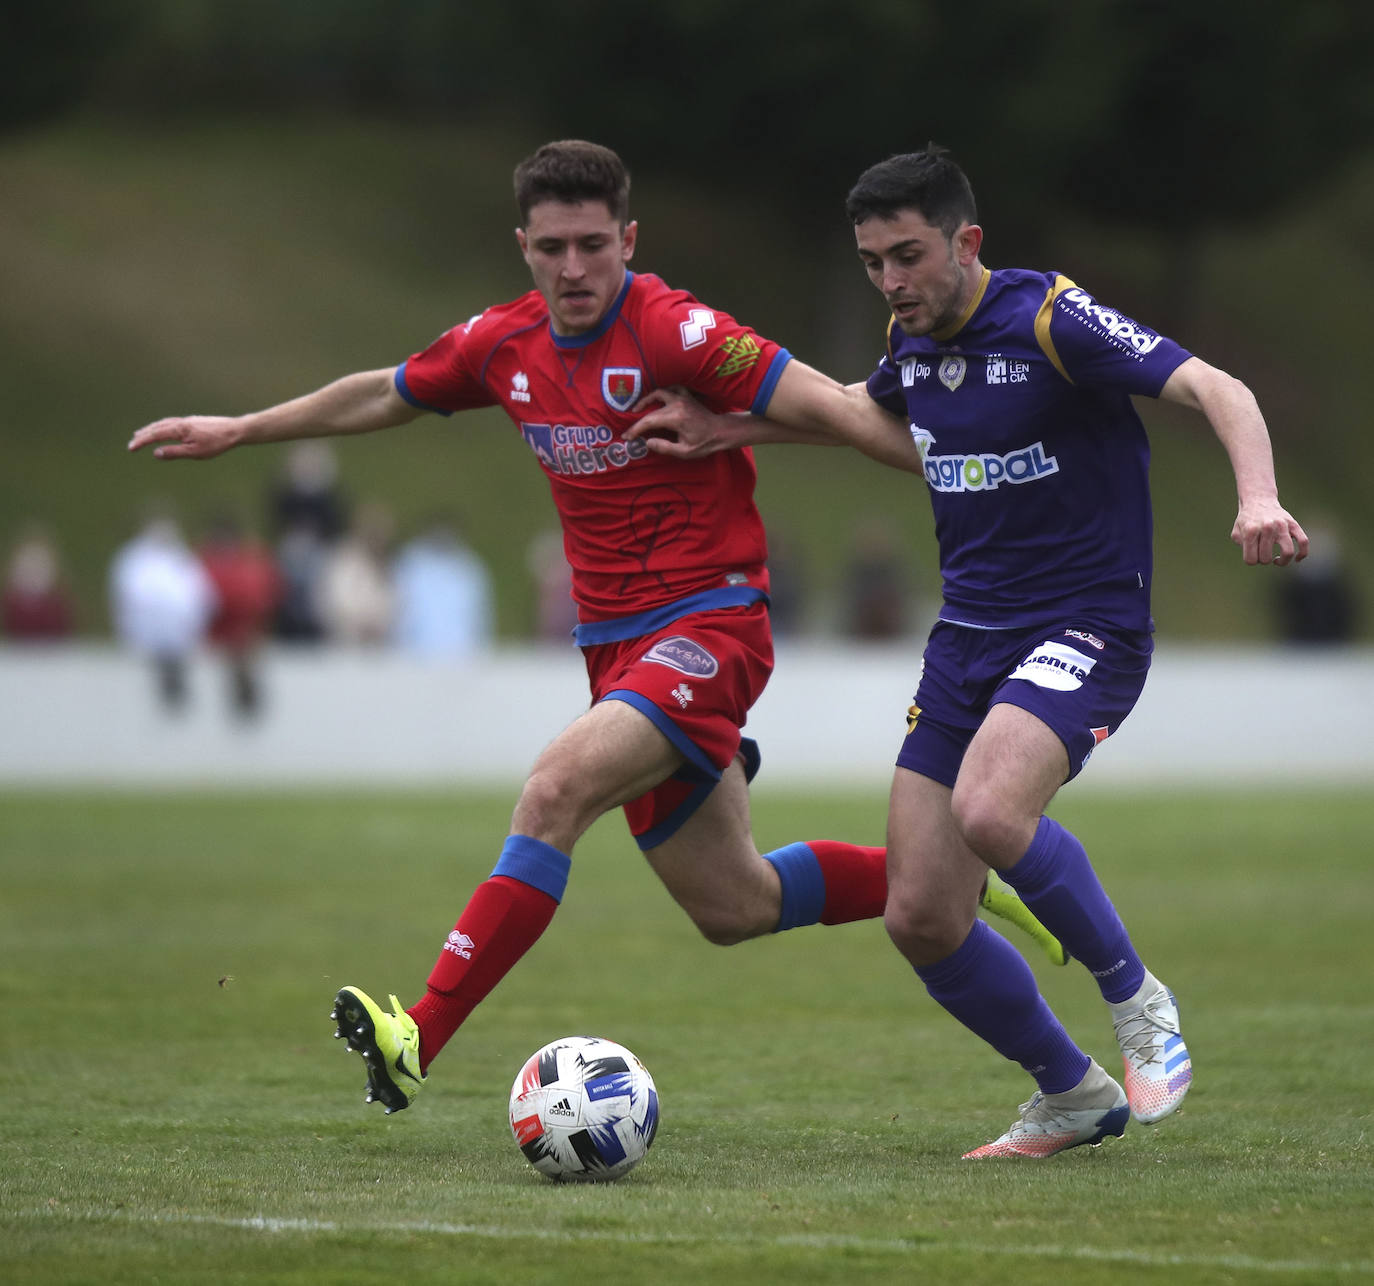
x=958, y=473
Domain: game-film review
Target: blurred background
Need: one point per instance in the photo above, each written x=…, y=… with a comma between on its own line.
x=211, y=207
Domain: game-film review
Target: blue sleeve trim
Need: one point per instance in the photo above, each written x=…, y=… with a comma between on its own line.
x=770, y=382
x=681, y=741
x=803, y=886
x=399, y=379
x=535, y=863
x=590, y=633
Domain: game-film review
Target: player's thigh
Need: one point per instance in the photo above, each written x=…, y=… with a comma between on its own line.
x=606, y=757
x=713, y=868
x=934, y=878
x=1011, y=770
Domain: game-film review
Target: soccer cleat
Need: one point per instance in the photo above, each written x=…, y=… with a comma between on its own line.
x=1001, y=899
x=1159, y=1069
x=389, y=1044
x=1095, y=1108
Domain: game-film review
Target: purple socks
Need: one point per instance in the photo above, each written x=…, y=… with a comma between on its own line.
x=1056, y=880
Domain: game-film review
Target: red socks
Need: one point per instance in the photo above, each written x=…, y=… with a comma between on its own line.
x=504, y=919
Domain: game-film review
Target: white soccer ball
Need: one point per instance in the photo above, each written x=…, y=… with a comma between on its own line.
x=584, y=1109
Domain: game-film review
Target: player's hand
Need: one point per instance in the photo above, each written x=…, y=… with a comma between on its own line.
x=1267, y=533
x=188, y=437
x=678, y=425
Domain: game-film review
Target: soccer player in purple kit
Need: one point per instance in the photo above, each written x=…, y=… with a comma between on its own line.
x=1016, y=387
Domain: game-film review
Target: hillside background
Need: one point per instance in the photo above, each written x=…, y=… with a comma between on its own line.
x=194, y=222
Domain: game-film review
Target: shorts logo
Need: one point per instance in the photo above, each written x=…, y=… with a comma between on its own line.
x=912, y=715
x=620, y=386
x=681, y=654
x=1084, y=637
x=682, y=694
x=952, y=371
x=1057, y=666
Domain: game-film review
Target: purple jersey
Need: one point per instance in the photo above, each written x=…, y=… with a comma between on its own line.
x=1036, y=462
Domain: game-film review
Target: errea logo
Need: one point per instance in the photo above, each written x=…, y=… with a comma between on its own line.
x=460, y=944
x=694, y=329
x=519, y=387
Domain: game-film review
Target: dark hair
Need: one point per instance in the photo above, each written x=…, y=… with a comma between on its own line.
x=573, y=170
x=928, y=182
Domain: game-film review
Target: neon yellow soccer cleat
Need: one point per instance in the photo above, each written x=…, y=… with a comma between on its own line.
x=1001, y=899
x=389, y=1044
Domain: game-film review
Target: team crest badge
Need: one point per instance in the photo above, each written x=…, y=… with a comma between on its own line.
x=952, y=371
x=620, y=386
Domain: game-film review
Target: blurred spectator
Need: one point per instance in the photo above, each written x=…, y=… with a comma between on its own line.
x=308, y=515
x=308, y=494
x=1315, y=600
x=555, y=613
x=37, y=605
x=443, y=595
x=248, y=588
x=357, y=602
x=161, y=599
x=875, y=588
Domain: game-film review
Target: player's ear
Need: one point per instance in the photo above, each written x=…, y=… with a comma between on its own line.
x=968, y=241
x=522, y=241
x=627, y=241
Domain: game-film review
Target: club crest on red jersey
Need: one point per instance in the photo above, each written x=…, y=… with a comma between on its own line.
x=620, y=386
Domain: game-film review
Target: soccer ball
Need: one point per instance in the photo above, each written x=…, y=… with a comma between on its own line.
x=584, y=1109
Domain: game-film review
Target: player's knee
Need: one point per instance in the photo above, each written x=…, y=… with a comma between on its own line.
x=553, y=807
x=924, y=929
x=986, y=824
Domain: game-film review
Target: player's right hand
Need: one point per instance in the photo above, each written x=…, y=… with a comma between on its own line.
x=188, y=437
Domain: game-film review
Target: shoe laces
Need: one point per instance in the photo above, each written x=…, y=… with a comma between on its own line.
x=1038, y=1112
x=1139, y=1033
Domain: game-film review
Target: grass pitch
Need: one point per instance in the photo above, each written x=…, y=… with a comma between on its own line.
x=177, y=1111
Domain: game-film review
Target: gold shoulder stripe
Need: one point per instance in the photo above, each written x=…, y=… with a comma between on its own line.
x=1042, y=322
x=891, y=322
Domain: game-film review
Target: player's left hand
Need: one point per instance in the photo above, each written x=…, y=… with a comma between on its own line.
x=1267, y=533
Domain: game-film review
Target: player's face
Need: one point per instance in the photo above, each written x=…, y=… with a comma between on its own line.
x=926, y=277
x=577, y=252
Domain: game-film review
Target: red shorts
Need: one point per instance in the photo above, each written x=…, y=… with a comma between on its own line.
x=695, y=680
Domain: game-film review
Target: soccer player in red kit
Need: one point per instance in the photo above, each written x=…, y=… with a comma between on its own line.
x=669, y=577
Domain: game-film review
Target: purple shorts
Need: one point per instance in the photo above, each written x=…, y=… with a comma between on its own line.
x=1081, y=681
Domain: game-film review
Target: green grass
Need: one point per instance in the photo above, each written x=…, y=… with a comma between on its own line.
x=176, y=1109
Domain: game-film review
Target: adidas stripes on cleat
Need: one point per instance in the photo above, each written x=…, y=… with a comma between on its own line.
x=1094, y=1109
x=1001, y=899
x=1159, y=1069
x=389, y=1044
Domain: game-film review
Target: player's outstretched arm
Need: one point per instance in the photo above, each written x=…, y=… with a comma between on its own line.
x=807, y=407
x=1265, y=531
x=357, y=403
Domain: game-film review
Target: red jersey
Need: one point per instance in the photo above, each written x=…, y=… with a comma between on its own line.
x=641, y=531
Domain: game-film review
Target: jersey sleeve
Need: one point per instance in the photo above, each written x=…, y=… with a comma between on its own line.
x=1098, y=347
x=723, y=362
x=885, y=384
x=446, y=376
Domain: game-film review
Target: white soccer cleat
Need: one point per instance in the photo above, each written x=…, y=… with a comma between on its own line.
x=1095, y=1108
x=1159, y=1069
